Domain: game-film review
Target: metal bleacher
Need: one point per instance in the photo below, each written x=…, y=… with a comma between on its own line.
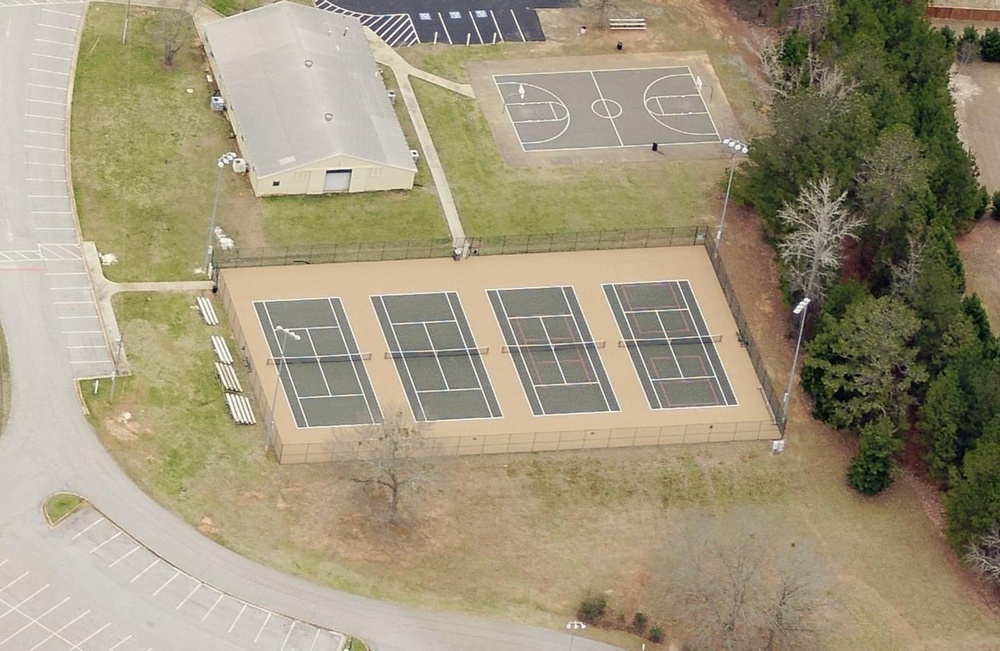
x=240, y=407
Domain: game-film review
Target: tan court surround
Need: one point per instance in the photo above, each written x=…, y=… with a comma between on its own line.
x=518, y=431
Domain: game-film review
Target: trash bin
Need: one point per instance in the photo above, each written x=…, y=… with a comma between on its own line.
x=656, y=146
x=619, y=46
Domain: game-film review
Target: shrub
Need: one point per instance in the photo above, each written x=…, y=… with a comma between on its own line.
x=592, y=608
x=989, y=45
x=969, y=35
x=873, y=468
x=995, y=202
x=655, y=634
x=639, y=623
x=949, y=36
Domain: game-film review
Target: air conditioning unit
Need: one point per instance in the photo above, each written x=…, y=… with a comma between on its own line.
x=392, y=97
x=217, y=103
x=240, y=165
x=415, y=155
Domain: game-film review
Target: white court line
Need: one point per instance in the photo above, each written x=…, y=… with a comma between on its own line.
x=233, y=625
x=176, y=574
x=266, y=620
x=137, y=547
x=105, y=542
x=213, y=607
x=31, y=622
x=148, y=567
x=61, y=629
x=99, y=521
x=197, y=585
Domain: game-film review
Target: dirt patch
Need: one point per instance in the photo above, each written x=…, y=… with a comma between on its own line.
x=980, y=250
x=975, y=87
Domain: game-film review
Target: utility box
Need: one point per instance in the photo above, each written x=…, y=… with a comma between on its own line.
x=415, y=155
x=240, y=165
x=217, y=103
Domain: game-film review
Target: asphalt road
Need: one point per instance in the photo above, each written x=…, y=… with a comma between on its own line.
x=57, y=593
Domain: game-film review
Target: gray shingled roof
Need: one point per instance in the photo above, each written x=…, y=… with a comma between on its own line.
x=286, y=69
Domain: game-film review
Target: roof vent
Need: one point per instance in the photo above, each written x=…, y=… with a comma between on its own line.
x=309, y=63
x=328, y=117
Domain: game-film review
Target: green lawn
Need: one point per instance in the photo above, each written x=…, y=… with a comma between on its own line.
x=59, y=506
x=144, y=154
x=495, y=200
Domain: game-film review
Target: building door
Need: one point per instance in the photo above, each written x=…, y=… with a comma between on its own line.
x=337, y=181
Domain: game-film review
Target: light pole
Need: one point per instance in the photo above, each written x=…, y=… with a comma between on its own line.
x=224, y=160
x=800, y=311
x=737, y=148
x=573, y=627
x=282, y=342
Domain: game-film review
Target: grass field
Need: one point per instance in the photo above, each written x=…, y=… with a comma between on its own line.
x=495, y=200
x=144, y=154
x=60, y=505
x=524, y=537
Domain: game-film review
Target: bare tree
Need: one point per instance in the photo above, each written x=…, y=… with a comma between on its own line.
x=602, y=10
x=906, y=274
x=984, y=555
x=175, y=29
x=390, y=453
x=744, y=590
x=966, y=52
x=818, y=224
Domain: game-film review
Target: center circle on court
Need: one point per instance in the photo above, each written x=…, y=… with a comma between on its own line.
x=606, y=108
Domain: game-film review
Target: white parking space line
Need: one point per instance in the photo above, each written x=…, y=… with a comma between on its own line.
x=190, y=594
x=32, y=622
x=61, y=629
x=89, y=527
x=119, y=643
x=205, y=616
x=79, y=645
x=288, y=635
x=45, y=40
x=16, y=607
x=137, y=547
x=266, y=620
x=176, y=574
x=68, y=29
x=112, y=537
x=148, y=568
x=233, y=625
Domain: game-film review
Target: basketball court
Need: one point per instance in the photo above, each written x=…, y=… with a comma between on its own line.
x=597, y=109
x=604, y=109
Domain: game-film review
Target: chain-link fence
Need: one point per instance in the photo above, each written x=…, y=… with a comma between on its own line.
x=641, y=238
x=767, y=386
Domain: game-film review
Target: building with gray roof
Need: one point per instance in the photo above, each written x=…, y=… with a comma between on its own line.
x=307, y=102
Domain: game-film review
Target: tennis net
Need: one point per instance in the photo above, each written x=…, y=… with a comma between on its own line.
x=670, y=341
x=440, y=352
x=554, y=346
x=319, y=359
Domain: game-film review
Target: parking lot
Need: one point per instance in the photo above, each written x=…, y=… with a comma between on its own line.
x=160, y=585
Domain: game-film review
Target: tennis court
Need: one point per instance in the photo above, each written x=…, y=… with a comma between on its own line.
x=556, y=358
x=435, y=354
x=320, y=366
x=671, y=348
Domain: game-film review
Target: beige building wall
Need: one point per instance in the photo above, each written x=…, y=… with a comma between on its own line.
x=310, y=179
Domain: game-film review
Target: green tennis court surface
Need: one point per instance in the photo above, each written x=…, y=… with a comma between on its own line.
x=556, y=359
x=322, y=371
x=429, y=339
x=672, y=351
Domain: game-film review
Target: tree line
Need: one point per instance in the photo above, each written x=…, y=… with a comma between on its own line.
x=863, y=185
